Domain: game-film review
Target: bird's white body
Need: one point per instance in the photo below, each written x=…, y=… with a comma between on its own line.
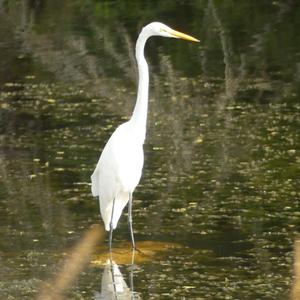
x=119, y=168
x=118, y=171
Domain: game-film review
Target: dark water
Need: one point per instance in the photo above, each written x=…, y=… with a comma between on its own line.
x=222, y=156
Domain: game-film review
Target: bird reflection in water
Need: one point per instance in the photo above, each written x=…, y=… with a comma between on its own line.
x=113, y=284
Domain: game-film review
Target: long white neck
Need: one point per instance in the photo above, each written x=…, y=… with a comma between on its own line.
x=139, y=115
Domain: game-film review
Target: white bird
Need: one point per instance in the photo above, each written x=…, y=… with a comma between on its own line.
x=119, y=168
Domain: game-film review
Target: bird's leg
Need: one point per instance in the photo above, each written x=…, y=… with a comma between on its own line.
x=131, y=276
x=113, y=280
x=111, y=225
x=110, y=236
x=130, y=220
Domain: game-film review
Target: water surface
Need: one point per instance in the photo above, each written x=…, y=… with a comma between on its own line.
x=221, y=174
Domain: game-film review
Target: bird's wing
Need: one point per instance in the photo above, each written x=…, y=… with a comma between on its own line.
x=129, y=157
x=95, y=182
x=117, y=173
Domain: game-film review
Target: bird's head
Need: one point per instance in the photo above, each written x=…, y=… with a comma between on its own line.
x=160, y=29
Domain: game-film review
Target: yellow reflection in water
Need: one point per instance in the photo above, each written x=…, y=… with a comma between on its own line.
x=122, y=253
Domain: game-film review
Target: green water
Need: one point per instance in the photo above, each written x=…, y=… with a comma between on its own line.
x=222, y=155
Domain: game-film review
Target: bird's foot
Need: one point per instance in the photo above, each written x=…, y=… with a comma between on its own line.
x=136, y=249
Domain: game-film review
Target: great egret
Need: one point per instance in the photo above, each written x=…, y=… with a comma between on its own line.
x=119, y=168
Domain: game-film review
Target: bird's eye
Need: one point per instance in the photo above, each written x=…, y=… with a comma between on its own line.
x=162, y=30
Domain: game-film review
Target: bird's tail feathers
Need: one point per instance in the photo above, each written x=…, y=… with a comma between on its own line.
x=106, y=209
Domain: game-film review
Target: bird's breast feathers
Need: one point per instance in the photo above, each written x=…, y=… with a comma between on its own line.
x=123, y=158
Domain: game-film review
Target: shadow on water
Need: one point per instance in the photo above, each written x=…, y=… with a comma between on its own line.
x=221, y=175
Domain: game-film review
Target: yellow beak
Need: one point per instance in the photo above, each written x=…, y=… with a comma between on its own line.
x=180, y=35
